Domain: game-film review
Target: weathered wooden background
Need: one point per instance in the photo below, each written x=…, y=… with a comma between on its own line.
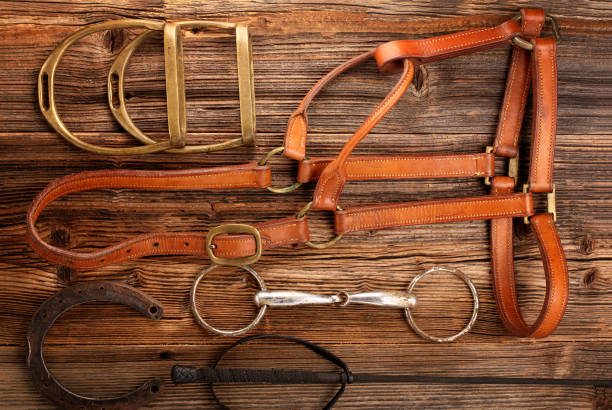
x=103, y=350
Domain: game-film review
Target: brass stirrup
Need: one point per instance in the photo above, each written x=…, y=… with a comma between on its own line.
x=175, y=87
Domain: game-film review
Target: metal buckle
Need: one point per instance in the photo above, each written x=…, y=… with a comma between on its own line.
x=551, y=203
x=278, y=190
x=323, y=245
x=513, y=164
x=233, y=228
x=175, y=87
x=522, y=43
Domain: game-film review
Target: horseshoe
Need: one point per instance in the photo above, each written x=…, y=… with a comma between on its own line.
x=61, y=302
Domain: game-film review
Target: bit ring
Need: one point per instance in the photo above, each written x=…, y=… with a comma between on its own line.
x=206, y=325
x=467, y=327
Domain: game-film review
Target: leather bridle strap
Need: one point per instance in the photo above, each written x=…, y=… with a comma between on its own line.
x=274, y=233
x=406, y=53
x=555, y=268
x=540, y=176
x=517, y=87
x=366, y=168
x=297, y=128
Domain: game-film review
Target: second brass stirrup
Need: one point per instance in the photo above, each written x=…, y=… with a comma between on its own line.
x=175, y=87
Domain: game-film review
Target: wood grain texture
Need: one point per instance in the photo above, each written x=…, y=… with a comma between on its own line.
x=104, y=349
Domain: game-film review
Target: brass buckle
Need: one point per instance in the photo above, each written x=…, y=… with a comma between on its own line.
x=522, y=43
x=278, y=190
x=512, y=166
x=175, y=87
x=323, y=245
x=233, y=228
x=551, y=203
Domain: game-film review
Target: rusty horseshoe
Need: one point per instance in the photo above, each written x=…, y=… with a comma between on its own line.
x=61, y=302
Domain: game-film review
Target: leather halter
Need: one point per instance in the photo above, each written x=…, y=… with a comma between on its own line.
x=231, y=244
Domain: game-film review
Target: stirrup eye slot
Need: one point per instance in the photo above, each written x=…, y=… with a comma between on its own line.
x=114, y=83
x=45, y=91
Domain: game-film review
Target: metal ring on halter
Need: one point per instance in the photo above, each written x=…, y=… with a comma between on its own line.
x=323, y=245
x=278, y=190
x=467, y=327
x=204, y=324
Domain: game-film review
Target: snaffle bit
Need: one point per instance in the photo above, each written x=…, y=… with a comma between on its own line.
x=286, y=298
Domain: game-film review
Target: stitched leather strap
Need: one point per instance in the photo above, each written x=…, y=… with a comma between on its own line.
x=389, y=55
x=365, y=168
x=375, y=217
x=273, y=233
x=555, y=268
x=297, y=128
x=544, y=68
x=517, y=87
x=333, y=177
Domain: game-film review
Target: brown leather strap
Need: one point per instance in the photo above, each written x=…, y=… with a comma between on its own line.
x=333, y=177
x=274, y=233
x=555, y=268
x=517, y=87
x=389, y=55
x=544, y=68
x=366, y=168
x=296, y=134
x=375, y=217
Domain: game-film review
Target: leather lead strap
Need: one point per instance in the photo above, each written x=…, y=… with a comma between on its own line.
x=274, y=233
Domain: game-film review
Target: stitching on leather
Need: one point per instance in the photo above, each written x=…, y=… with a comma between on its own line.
x=524, y=95
x=513, y=64
x=352, y=174
x=370, y=123
x=399, y=220
x=469, y=43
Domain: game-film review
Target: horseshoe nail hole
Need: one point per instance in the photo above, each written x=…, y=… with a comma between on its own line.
x=155, y=388
x=128, y=251
x=101, y=260
x=101, y=287
x=45, y=385
x=156, y=244
x=44, y=315
x=114, y=83
x=153, y=309
x=186, y=243
x=79, y=292
x=164, y=355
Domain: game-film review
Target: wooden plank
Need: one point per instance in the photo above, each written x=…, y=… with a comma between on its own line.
x=104, y=349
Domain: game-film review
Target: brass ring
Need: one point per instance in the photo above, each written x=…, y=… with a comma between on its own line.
x=204, y=324
x=278, y=190
x=323, y=245
x=467, y=327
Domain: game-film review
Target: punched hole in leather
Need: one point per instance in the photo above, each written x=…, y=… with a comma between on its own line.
x=224, y=298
